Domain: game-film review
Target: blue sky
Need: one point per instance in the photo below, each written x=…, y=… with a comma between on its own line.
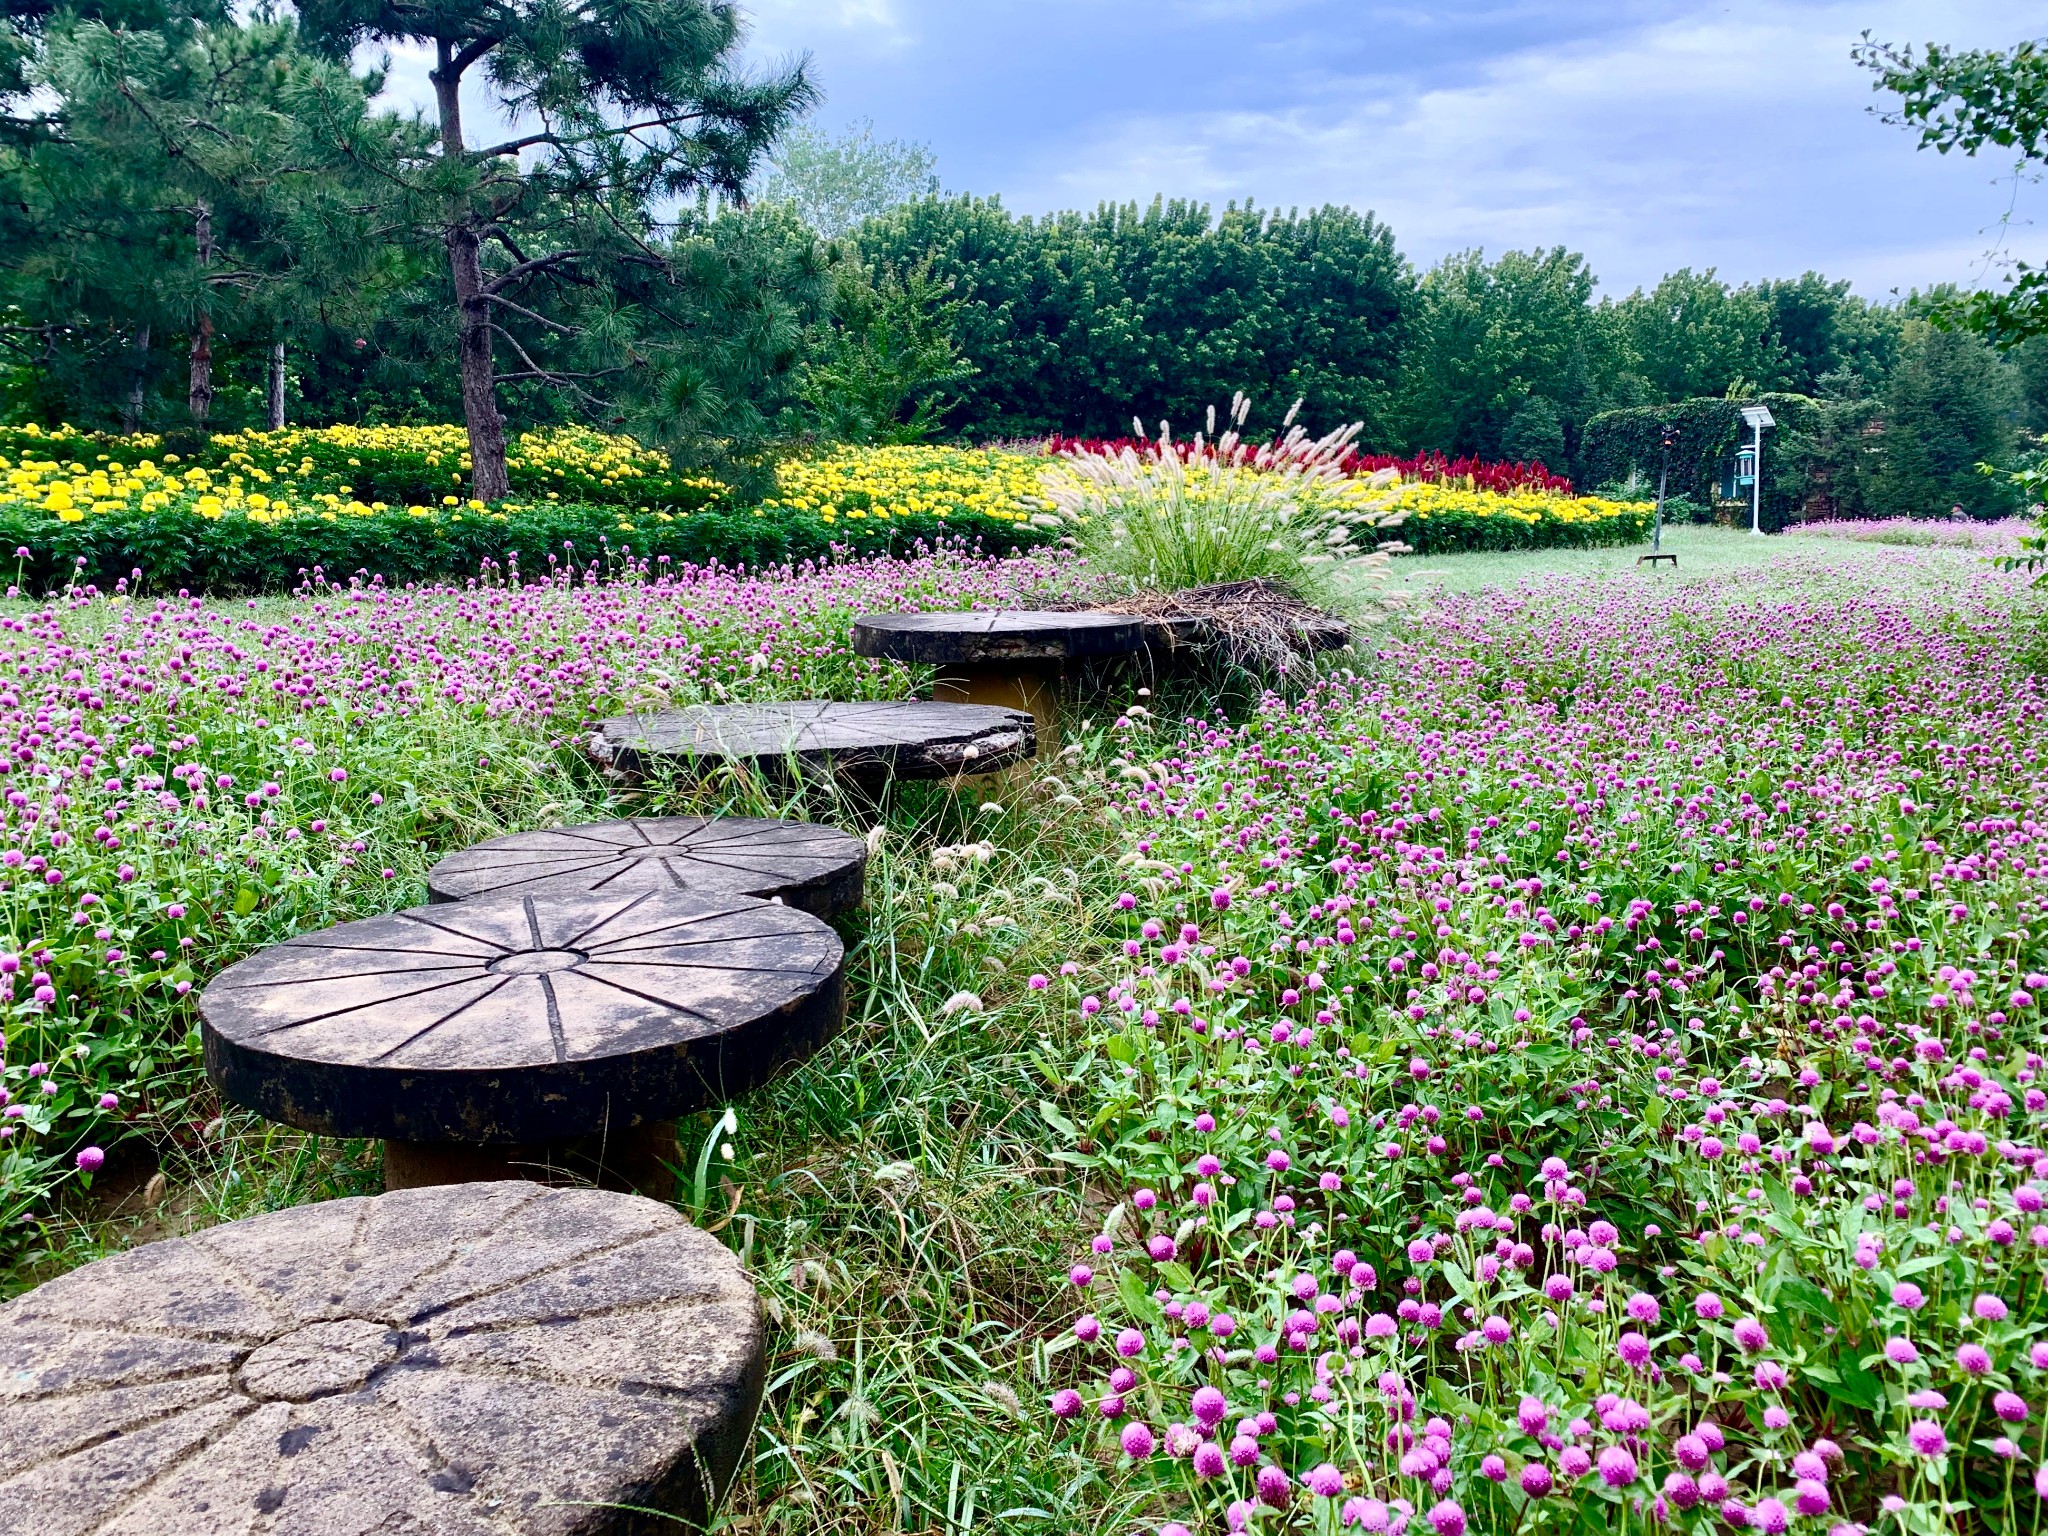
x=1649, y=134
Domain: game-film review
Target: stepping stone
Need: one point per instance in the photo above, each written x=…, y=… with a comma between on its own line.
x=867, y=743
x=479, y=1360
x=816, y=869
x=524, y=1035
x=1005, y=657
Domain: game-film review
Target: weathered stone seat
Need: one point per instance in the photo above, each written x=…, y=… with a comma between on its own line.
x=524, y=1034
x=816, y=869
x=1010, y=658
x=867, y=743
x=482, y=1360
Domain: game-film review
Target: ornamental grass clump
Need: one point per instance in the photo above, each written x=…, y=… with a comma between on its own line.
x=1204, y=513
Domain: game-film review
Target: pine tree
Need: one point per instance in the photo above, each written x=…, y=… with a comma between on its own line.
x=553, y=253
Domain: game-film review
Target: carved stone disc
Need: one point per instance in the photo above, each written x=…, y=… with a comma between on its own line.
x=991, y=637
x=523, y=1019
x=817, y=869
x=470, y=1360
x=908, y=740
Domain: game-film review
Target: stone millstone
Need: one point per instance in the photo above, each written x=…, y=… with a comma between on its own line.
x=816, y=869
x=862, y=741
x=523, y=1019
x=474, y=1360
x=994, y=638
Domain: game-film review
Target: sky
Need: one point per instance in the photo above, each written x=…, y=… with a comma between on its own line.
x=1649, y=134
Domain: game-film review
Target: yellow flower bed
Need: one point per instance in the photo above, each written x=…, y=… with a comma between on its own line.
x=1424, y=499
x=860, y=483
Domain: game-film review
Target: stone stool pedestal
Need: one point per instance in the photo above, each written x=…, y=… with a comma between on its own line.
x=1008, y=658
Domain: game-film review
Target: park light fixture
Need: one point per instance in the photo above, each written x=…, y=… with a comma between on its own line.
x=1756, y=418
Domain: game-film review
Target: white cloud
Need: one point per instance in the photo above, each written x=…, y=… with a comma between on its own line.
x=1736, y=137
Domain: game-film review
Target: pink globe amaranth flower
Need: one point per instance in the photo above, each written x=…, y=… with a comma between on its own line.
x=1130, y=1342
x=1750, y=1336
x=1174, y=1528
x=1537, y=1482
x=1989, y=1308
x=1810, y=1464
x=2041, y=1482
x=1220, y=899
x=1909, y=1296
x=1087, y=1328
x=1681, y=1490
x=1244, y=1450
x=1081, y=1275
x=1066, y=1403
x=1208, y=1460
x=1926, y=1438
x=1708, y=1306
x=1273, y=1487
x=1974, y=1359
x=2010, y=1407
x=1532, y=1416
x=1810, y=1497
x=1691, y=1452
x=1901, y=1351
x=1771, y=1516
x=1447, y=1518
x=90, y=1159
x=1493, y=1469
x=1574, y=1463
x=1642, y=1307
x=1617, y=1467
x=1634, y=1350
x=1324, y=1480
x=1769, y=1376
x=1208, y=1406
x=1137, y=1440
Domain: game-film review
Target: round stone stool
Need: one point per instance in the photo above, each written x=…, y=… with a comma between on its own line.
x=1009, y=658
x=483, y=1360
x=525, y=1035
x=816, y=869
x=815, y=738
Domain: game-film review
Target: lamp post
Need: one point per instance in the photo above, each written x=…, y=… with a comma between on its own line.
x=1669, y=441
x=1756, y=417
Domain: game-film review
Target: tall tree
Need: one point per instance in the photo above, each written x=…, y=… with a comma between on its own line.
x=836, y=183
x=1692, y=336
x=553, y=249
x=1491, y=337
x=174, y=194
x=1950, y=405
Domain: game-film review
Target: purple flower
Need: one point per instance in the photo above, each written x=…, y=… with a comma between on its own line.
x=1926, y=1438
x=1537, y=1483
x=89, y=1159
x=1750, y=1336
x=1066, y=1403
x=1974, y=1359
x=1908, y=1295
x=2010, y=1406
x=1617, y=1467
x=1447, y=1519
x=1324, y=1480
x=1136, y=1440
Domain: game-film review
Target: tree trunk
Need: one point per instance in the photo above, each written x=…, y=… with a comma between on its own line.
x=277, y=386
x=199, y=394
x=138, y=383
x=489, y=478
